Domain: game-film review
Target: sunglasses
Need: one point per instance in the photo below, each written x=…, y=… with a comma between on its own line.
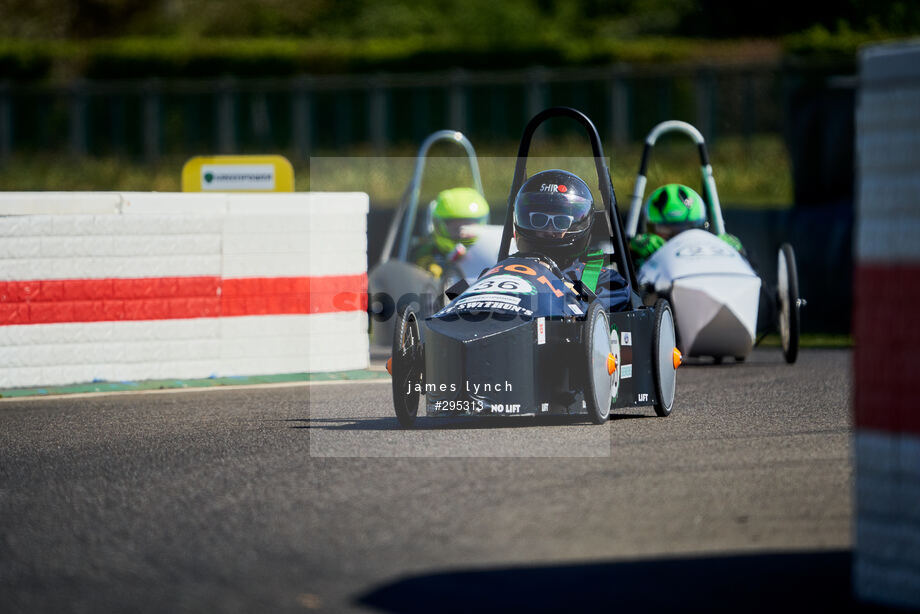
x=538, y=221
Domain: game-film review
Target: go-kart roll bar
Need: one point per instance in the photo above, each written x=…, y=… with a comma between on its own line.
x=710, y=195
x=409, y=208
x=605, y=186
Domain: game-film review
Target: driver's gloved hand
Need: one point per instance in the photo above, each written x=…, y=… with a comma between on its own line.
x=732, y=240
x=458, y=253
x=644, y=245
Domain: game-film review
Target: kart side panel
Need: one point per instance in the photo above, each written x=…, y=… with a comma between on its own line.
x=637, y=379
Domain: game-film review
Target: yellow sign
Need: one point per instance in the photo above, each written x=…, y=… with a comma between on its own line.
x=238, y=174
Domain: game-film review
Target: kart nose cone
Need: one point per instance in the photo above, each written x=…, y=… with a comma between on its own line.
x=716, y=314
x=461, y=357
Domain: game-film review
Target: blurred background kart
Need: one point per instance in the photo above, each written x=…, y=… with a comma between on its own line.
x=720, y=302
x=399, y=278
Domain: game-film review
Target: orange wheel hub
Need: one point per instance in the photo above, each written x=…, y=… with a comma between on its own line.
x=611, y=364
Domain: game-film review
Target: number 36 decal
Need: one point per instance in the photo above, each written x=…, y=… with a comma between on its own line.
x=512, y=283
x=503, y=283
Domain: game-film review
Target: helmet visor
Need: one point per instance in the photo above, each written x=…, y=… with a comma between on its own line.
x=552, y=214
x=458, y=229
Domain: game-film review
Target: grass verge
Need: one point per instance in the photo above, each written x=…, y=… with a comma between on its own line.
x=211, y=382
x=751, y=172
x=814, y=341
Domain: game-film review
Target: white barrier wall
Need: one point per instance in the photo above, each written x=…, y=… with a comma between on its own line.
x=886, y=328
x=136, y=286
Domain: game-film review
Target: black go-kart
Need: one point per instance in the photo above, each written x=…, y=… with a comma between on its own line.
x=525, y=340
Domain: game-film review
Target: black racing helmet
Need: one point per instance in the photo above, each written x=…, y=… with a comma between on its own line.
x=553, y=213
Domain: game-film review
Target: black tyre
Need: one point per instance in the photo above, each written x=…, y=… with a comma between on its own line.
x=599, y=382
x=664, y=340
x=788, y=303
x=407, y=366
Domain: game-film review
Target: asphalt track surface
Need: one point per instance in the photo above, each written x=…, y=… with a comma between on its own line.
x=311, y=498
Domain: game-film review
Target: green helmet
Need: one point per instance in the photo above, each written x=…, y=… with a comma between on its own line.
x=454, y=210
x=673, y=208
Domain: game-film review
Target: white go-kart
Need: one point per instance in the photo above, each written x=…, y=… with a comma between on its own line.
x=713, y=289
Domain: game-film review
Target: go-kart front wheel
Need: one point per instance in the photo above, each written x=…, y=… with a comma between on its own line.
x=787, y=296
x=599, y=380
x=407, y=367
x=664, y=359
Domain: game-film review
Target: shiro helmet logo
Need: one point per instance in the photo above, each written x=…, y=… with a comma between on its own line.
x=553, y=188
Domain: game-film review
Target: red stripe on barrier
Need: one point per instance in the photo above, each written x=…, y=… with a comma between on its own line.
x=886, y=356
x=167, y=298
x=327, y=295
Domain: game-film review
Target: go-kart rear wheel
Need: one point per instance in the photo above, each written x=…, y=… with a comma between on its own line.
x=664, y=363
x=599, y=380
x=407, y=367
x=787, y=295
